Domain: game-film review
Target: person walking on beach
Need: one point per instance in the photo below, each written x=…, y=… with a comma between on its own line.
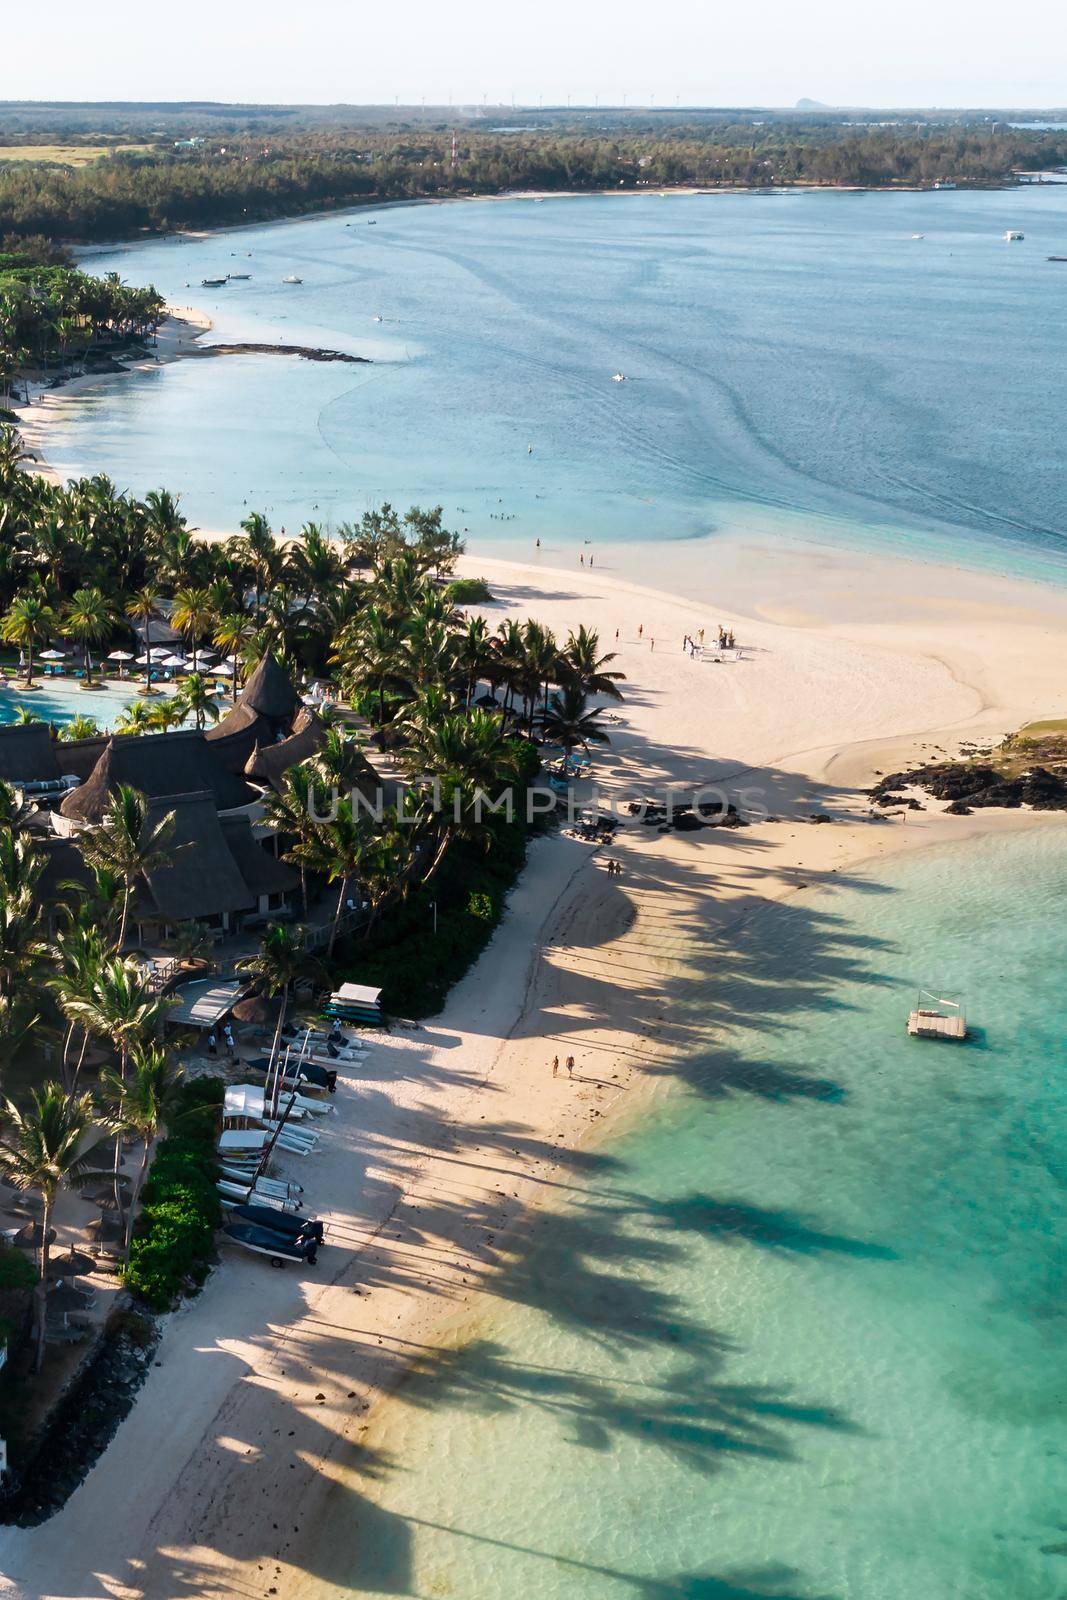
x=581, y=558
x=652, y=644
x=570, y=1066
x=555, y=1066
x=640, y=630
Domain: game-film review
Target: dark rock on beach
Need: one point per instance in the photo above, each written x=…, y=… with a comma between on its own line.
x=82, y=1425
x=966, y=786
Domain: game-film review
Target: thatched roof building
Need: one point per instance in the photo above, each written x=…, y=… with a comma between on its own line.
x=158, y=765
x=270, y=692
x=28, y=754
x=213, y=867
x=268, y=763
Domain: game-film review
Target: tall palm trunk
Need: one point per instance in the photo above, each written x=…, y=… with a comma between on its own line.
x=134, y=1197
x=29, y=665
x=40, y=1293
x=120, y=1209
x=337, y=916
x=148, y=654
x=127, y=896
x=274, y=1084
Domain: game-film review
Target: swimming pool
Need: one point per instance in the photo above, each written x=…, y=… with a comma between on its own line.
x=61, y=700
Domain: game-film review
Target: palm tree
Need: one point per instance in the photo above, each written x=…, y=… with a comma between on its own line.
x=136, y=717
x=192, y=614
x=280, y=960
x=79, y=727
x=262, y=554
x=341, y=850
x=128, y=845
x=289, y=811
x=168, y=713
x=21, y=863
x=140, y=1106
x=28, y=622
x=80, y=952
x=369, y=653
x=232, y=633
x=89, y=619
x=194, y=696
x=123, y=1009
x=581, y=662
x=474, y=652
x=44, y=1148
x=566, y=720
x=466, y=756
x=22, y=949
x=143, y=609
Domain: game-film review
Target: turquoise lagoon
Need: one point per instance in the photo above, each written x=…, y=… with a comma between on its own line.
x=801, y=1332
x=797, y=365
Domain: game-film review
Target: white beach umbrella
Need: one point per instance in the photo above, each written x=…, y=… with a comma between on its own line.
x=122, y=655
x=53, y=655
x=173, y=661
x=142, y=661
x=225, y=667
x=159, y=652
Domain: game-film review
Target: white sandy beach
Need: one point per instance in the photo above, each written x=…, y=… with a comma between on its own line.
x=245, y=1438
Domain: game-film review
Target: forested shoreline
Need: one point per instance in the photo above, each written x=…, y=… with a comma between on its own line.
x=216, y=180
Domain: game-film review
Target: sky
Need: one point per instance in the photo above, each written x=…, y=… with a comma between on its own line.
x=696, y=52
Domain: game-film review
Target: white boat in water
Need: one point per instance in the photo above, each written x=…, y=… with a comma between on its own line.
x=292, y=278
x=918, y=236
x=1013, y=234
x=618, y=377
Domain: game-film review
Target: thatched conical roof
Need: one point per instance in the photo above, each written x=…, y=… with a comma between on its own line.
x=156, y=764
x=270, y=691
x=268, y=763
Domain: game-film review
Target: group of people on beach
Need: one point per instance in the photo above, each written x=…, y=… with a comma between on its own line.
x=614, y=868
x=570, y=1066
x=691, y=645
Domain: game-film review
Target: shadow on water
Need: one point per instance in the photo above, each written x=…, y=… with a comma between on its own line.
x=601, y=1267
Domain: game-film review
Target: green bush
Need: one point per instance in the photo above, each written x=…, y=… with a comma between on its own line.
x=174, y=1243
x=469, y=592
x=16, y=1270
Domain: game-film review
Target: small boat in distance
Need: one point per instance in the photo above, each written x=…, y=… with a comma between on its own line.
x=212, y=283
x=618, y=377
x=918, y=236
x=292, y=278
x=377, y=318
x=1013, y=234
x=1056, y=258
x=239, y=277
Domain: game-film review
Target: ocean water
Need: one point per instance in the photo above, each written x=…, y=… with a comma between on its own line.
x=799, y=1333
x=797, y=365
